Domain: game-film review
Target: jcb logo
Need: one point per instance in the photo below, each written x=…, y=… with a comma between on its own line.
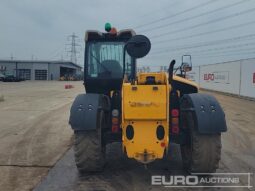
x=142, y=104
x=209, y=77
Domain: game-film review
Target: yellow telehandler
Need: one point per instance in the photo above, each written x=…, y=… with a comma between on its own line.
x=146, y=112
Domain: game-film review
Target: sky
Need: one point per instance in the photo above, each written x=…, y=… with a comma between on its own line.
x=211, y=31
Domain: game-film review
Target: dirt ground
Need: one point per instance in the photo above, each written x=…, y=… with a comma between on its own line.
x=34, y=131
x=34, y=138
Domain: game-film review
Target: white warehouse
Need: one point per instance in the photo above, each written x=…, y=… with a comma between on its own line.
x=39, y=70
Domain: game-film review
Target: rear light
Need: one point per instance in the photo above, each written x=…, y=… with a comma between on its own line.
x=175, y=129
x=115, y=124
x=175, y=121
x=163, y=144
x=175, y=113
x=115, y=128
x=115, y=113
x=115, y=121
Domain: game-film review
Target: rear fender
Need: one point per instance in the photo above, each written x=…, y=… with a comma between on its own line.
x=85, y=109
x=208, y=115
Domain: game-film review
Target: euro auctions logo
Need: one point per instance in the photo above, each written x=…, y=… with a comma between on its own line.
x=208, y=77
x=222, y=77
x=197, y=180
x=175, y=180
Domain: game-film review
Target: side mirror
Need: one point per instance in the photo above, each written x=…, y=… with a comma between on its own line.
x=186, y=63
x=138, y=46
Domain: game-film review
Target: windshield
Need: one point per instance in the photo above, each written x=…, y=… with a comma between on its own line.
x=105, y=60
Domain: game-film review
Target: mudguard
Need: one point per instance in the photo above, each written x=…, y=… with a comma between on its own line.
x=84, y=111
x=207, y=112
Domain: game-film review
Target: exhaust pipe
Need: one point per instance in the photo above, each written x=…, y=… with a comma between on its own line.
x=170, y=71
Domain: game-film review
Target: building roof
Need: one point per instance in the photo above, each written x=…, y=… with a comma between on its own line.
x=41, y=62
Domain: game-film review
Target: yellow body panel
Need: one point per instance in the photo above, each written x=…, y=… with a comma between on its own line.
x=145, y=141
x=185, y=81
x=142, y=102
x=145, y=109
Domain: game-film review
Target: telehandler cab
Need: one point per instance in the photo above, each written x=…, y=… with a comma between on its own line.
x=145, y=112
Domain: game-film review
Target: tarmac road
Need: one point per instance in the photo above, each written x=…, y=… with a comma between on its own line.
x=119, y=174
x=34, y=135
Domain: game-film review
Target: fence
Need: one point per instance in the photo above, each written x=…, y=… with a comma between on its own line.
x=236, y=77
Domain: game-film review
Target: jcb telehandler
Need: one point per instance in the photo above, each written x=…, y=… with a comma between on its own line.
x=145, y=112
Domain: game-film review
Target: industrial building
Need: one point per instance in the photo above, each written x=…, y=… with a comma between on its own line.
x=39, y=70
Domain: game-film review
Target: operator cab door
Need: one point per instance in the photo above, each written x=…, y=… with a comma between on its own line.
x=104, y=66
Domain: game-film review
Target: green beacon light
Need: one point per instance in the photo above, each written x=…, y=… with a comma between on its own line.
x=107, y=27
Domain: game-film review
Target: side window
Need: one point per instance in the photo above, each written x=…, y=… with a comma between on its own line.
x=92, y=67
x=128, y=64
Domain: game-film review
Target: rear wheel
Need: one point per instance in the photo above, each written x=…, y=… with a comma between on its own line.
x=88, y=150
x=201, y=152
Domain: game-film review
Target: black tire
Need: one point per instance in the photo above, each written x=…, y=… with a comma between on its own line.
x=201, y=153
x=88, y=150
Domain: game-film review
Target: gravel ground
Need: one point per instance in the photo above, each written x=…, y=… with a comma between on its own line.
x=34, y=131
x=35, y=144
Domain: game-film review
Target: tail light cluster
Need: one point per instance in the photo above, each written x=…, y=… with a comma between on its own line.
x=174, y=112
x=115, y=121
x=175, y=121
